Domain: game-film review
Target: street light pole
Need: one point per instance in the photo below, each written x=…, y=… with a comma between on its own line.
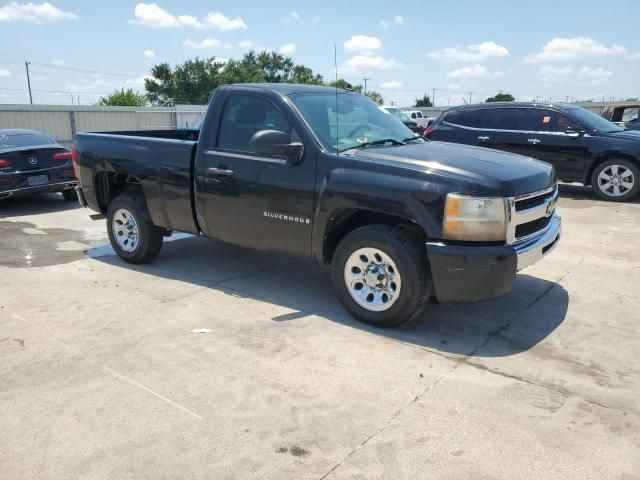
x=26, y=64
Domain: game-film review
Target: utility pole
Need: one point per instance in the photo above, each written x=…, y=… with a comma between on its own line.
x=365, y=84
x=470, y=97
x=433, y=98
x=26, y=64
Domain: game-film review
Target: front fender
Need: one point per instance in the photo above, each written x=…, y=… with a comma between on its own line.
x=346, y=190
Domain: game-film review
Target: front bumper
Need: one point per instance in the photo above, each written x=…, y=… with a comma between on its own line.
x=468, y=273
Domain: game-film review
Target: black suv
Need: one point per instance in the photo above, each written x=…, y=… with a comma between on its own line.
x=582, y=146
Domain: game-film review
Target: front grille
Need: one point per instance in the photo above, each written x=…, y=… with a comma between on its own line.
x=534, y=201
x=532, y=227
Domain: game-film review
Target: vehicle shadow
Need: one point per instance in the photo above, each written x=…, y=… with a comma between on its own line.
x=34, y=204
x=498, y=328
x=579, y=192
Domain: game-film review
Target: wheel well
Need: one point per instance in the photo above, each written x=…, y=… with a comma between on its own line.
x=109, y=185
x=606, y=157
x=345, y=221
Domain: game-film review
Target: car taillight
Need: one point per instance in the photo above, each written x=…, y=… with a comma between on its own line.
x=62, y=156
x=74, y=157
x=4, y=163
x=428, y=132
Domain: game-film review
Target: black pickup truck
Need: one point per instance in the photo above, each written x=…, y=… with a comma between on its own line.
x=322, y=173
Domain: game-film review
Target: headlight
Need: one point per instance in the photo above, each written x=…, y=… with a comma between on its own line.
x=474, y=218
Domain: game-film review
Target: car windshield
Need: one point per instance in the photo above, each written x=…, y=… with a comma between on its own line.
x=346, y=120
x=593, y=121
x=23, y=140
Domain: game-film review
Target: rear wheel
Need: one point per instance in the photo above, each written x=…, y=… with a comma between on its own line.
x=380, y=275
x=616, y=180
x=132, y=234
x=69, y=195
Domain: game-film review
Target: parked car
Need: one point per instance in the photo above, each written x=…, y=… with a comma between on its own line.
x=623, y=115
x=404, y=118
x=32, y=162
x=319, y=173
x=416, y=116
x=582, y=146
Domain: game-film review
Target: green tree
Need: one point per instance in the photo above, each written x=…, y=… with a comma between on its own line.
x=501, y=97
x=124, y=98
x=194, y=80
x=425, y=101
x=373, y=95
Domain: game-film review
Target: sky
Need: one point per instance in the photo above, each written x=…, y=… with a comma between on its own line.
x=466, y=50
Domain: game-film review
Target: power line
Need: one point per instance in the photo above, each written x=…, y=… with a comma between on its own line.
x=84, y=70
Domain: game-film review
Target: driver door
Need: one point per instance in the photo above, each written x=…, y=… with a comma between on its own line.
x=252, y=200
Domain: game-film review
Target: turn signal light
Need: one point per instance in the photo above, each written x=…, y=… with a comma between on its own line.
x=4, y=163
x=428, y=132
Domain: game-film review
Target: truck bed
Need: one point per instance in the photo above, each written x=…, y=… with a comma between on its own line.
x=161, y=161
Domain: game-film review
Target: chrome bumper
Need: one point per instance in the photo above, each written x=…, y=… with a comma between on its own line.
x=532, y=250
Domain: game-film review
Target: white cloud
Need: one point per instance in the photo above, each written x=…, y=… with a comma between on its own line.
x=470, y=53
x=224, y=23
x=288, y=48
x=367, y=62
x=154, y=16
x=593, y=76
x=393, y=84
x=149, y=54
x=190, y=21
x=151, y=15
x=396, y=20
x=246, y=44
x=292, y=17
x=559, y=49
x=32, y=12
x=4, y=72
x=206, y=43
x=475, y=71
x=363, y=43
x=454, y=86
x=137, y=82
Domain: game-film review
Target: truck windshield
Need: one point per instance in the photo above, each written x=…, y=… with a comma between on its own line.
x=593, y=121
x=348, y=120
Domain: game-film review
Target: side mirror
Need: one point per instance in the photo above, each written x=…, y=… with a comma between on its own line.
x=274, y=142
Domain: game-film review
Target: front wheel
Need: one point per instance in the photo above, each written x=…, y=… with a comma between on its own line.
x=132, y=234
x=616, y=180
x=380, y=275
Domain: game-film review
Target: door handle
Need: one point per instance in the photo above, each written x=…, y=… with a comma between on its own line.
x=483, y=139
x=220, y=171
x=534, y=141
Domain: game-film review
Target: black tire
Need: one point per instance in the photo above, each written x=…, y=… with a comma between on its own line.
x=608, y=193
x=150, y=237
x=412, y=265
x=70, y=195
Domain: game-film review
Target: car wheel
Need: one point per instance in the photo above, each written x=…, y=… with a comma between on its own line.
x=70, y=195
x=381, y=276
x=131, y=232
x=616, y=180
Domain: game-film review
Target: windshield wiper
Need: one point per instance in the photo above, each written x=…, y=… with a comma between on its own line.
x=383, y=141
x=411, y=139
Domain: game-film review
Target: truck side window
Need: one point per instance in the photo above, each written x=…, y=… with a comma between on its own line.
x=243, y=116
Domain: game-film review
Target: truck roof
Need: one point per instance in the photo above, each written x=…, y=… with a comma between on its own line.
x=289, y=88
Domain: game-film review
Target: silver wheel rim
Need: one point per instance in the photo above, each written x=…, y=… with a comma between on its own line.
x=615, y=180
x=125, y=230
x=372, y=279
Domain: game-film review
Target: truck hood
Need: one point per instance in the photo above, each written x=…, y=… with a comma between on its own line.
x=485, y=170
